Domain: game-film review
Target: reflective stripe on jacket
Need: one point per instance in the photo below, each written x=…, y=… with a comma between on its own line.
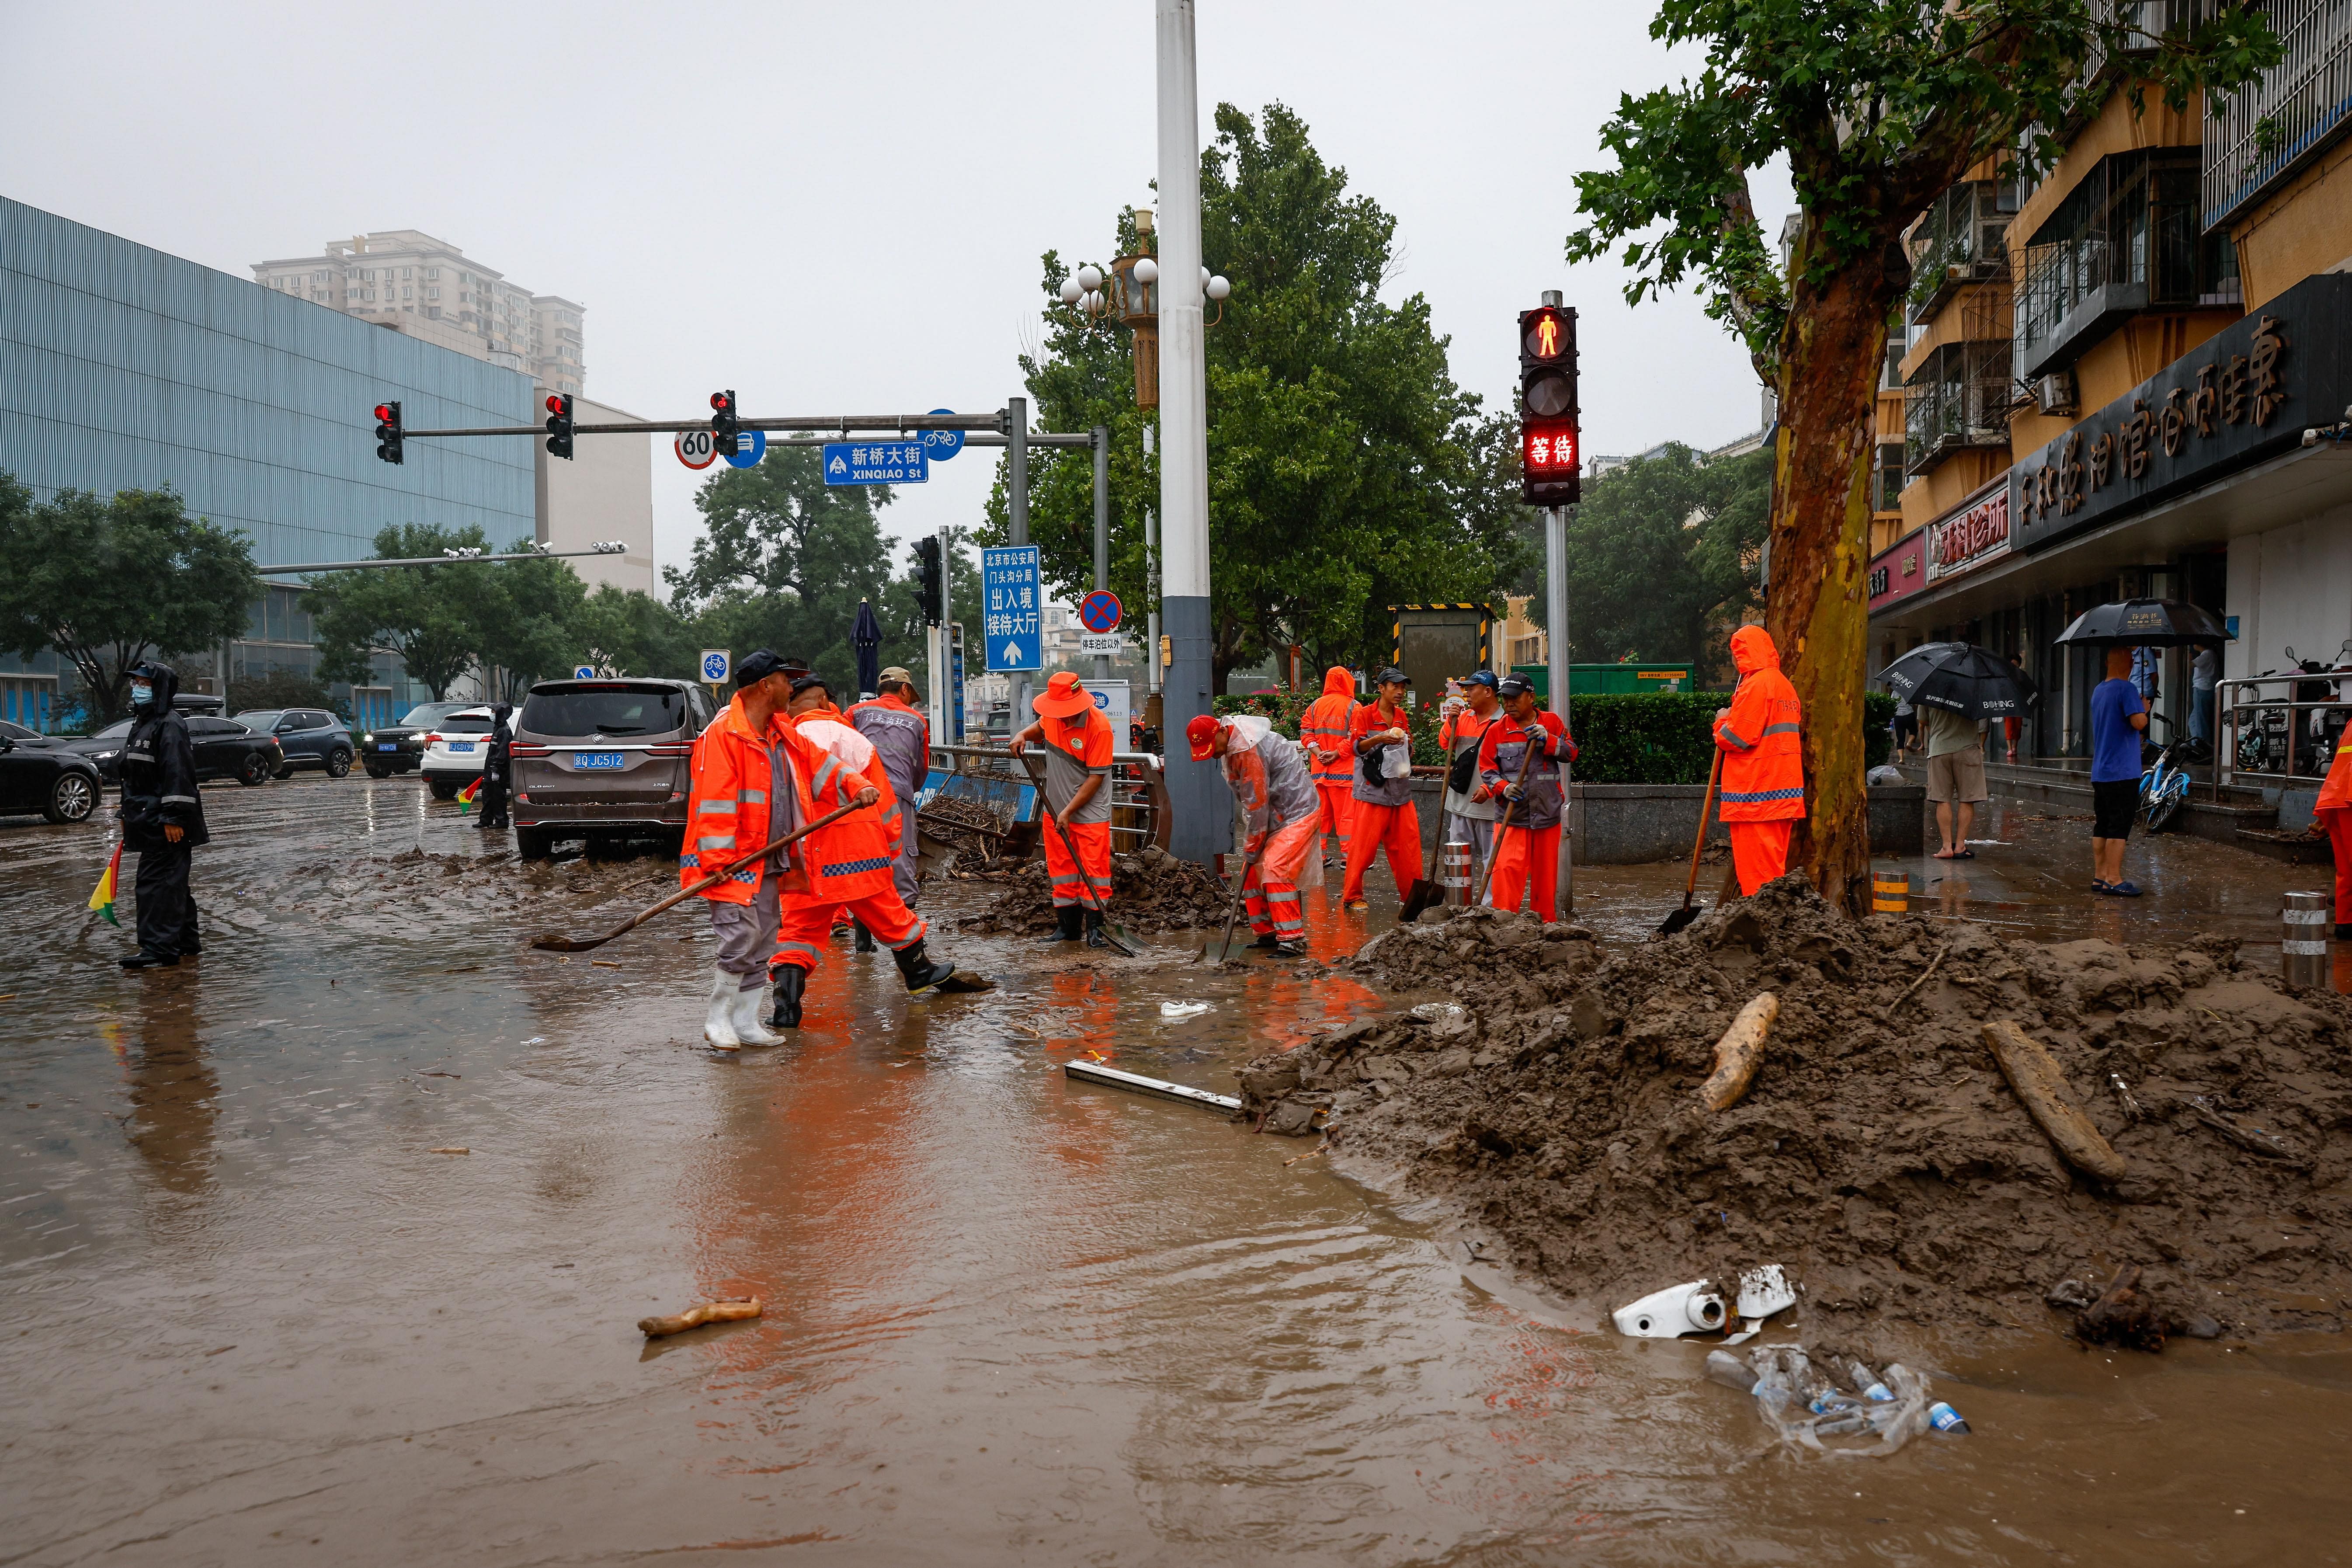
x=732, y=808
x=2335, y=794
x=1760, y=738
x=1502, y=750
x=1324, y=725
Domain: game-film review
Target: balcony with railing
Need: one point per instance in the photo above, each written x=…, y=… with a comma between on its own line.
x=2262, y=135
x=1958, y=398
x=1962, y=239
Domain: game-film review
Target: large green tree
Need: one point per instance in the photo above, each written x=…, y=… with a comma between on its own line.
x=108, y=581
x=1344, y=463
x=631, y=632
x=1878, y=106
x=439, y=620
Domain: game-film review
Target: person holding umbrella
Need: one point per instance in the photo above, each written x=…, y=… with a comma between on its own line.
x=1958, y=687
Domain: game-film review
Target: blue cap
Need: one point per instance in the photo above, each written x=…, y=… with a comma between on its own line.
x=1485, y=677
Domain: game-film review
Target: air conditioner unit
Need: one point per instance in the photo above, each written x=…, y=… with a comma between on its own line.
x=2054, y=393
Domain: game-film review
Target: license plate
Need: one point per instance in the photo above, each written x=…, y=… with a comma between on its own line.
x=593, y=760
x=461, y=745
x=381, y=746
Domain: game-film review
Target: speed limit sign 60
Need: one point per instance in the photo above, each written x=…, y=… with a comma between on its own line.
x=696, y=448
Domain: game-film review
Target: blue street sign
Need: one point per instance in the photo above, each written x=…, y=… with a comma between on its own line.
x=1010, y=598
x=750, y=445
x=717, y=662
x=942, y=444
x=904, y=462
x=583, y=672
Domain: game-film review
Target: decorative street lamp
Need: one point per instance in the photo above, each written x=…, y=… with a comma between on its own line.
x=1133, y=296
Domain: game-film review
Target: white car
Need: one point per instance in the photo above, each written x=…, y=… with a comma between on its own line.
x=455, y=749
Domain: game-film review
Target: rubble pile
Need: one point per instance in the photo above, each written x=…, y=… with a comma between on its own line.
x=1151, y=892
x=1880, y=1151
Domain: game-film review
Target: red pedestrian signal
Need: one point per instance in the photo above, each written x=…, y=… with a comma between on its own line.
x=559, y=424
x=1548, y=407
x=388, y=433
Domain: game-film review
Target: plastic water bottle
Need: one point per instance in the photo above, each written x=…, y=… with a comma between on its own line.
x=1728, y=1370
x=1946, y=1420
x=1830, y=1399
x=1871, y=1388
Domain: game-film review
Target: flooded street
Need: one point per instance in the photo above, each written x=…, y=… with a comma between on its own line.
x=251, y=1316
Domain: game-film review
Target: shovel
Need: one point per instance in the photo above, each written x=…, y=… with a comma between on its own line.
x=1116, y=936
x=1224, y=943
x=1684, y=916
x=585, y=945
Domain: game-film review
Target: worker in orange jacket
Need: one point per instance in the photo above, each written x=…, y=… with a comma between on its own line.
x=1760, y=735
x=1380, y=810
x=1323, y=729
x=2335, y=812
x=1527, y=848
x=813, y=714
x=1077, y=744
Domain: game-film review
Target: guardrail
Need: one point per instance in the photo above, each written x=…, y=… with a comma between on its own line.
x=2285, y=738
x=993, y=777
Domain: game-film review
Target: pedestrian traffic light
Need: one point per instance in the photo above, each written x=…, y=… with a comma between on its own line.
x=559, y=424
x=723, y=422
x=1548, y=407
x=928, y=580
x=388, y=436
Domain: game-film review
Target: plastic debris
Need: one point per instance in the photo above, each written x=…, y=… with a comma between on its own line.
x=1440, y=1012
x=1183, y=1009
x=1670, y=1313
x=1802, y=1406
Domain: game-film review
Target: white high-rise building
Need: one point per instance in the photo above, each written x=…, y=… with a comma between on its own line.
x=406, y=278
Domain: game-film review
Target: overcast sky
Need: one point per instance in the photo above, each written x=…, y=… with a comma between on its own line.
x=839, y=208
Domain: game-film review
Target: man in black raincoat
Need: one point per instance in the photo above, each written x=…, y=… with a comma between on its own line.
x=162, y=817
x=497, y=768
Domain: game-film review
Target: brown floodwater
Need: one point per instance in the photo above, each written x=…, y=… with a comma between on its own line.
x=249, y=1317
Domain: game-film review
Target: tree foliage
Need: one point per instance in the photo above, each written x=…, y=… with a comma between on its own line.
x=437, y=620
x=108, y=583
x=1345, y=465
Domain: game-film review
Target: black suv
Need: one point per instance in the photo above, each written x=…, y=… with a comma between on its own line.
x=309, y=737
x=400, y=748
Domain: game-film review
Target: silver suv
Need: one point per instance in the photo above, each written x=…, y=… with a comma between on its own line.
x=604, y=759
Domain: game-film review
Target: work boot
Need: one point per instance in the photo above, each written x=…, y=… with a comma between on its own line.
x=147, y=958
x=2343, y=933
x=746, y=1018
x=919, y=970
x=1265, y=939
x=865, y=943
x=719, y=1024
x=791, y=981
x=1065, y=925
x=1095, y=937
x=1289, y=950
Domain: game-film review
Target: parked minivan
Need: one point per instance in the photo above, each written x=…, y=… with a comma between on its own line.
x=604, y=759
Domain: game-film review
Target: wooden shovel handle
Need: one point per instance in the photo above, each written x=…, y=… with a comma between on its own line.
x=1487, y=872
x=1699, y=844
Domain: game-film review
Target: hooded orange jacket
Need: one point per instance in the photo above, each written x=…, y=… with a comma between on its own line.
x=1763, y=755
x=728, y=813
x=1325, y=724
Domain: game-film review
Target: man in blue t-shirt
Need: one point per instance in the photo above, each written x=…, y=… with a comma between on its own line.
x=2117, y=717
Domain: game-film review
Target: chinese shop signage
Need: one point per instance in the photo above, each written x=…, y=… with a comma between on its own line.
x=1974, y=535
x=2246, y=393
x=1898, y=571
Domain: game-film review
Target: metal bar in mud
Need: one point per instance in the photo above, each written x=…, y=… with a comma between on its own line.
x=1095, y=1072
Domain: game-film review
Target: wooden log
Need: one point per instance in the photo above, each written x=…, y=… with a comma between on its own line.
x=725, y=1310
x=1737, y=1054
x=2037, y=1081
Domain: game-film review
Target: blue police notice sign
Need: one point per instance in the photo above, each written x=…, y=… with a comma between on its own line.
x=902, y=462
x=1010, y=599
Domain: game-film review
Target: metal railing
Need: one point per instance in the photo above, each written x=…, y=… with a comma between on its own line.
x=2285, y=738
x=1139, y=805
x=2257, y=135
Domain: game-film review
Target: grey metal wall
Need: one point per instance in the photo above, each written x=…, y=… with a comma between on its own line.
x=122, y=367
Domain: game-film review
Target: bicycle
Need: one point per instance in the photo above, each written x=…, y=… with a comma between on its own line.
x=2164, y=787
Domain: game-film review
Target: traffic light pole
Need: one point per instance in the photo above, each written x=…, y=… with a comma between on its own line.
x=1556, y=619
x=1102, y=536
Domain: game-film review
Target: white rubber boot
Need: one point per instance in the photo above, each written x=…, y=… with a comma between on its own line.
x=748, y=1028
x=718, y=1027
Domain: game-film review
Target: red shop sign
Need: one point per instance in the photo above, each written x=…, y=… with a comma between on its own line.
x=1898, y=571
x=1969, y=539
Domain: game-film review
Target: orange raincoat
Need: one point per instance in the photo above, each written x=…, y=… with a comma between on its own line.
x=1763, y=789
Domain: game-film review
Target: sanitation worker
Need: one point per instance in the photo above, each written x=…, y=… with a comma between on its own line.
x=812, y=712
x=162, y=818
x=1268, y=775
x=1763, y=789
x=2334, y=814
x=1331, y=755
x=1470, y=806
x=895, y=724
x=1527, y=848
x=1380, y=811
x=1077, y=743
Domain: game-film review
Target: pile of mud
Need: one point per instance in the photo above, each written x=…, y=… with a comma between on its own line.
x=1879, y=1154
x=1151, y=891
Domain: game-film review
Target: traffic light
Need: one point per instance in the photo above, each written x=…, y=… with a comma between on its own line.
x=388, y=436
x=1548, y=411
x=559, y=424
x=723, y=422
x=928, y=580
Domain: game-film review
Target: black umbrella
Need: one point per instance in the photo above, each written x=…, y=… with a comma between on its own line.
x=865, y=637
x=1961, y=678
x=2145, y=623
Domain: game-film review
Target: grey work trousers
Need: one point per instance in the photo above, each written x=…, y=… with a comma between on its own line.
x=906, y=874
x=747, y=933
x=1478, y=832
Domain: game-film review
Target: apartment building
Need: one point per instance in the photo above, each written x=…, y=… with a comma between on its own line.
x=407, y=280
x=2107, y=379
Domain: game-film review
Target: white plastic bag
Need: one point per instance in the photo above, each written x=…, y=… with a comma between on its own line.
x=1396, y=762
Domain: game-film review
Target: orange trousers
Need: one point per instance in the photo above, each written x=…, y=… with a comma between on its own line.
x=1525, y=856
x=1335, y=808
x=1092, y=840
x=2339, y=839
x=1760, y=851
x=806, y=924
x=1271, y=889
x=1372, y=828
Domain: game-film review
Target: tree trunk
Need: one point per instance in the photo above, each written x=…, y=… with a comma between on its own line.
x=1817, y=605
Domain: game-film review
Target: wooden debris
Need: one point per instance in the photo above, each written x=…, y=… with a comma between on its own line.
x=726, y=1309
x=2036, y=1080
x=1739, y=1052
x=449, y=1151
x=2267, y=1145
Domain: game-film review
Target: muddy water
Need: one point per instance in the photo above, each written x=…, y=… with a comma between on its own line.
x=250, y=1317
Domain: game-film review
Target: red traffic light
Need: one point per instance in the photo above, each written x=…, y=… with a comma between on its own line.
x=554, y=404
x=718, y=400
x=1548, y=448
x=383, y=413
x=1547, y=335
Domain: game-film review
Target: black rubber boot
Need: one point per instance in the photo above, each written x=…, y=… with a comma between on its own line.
x=919, y=970
x=2344, y=932
x=1095, y=937
x=1065, y=925
x=792, y=980
x=1265, y=938
x=145, y=959
x=865, y=941
x=1289, y=950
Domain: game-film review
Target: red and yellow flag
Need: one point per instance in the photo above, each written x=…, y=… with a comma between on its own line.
x=101, y=898
x=465, y=796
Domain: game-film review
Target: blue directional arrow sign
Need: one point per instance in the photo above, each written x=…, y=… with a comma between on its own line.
x=903, y=461
x=1010, y=599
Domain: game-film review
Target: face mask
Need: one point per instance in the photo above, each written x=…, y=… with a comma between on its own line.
x=141, y=695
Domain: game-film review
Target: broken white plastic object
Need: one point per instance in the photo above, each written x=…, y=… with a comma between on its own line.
x=1183, y=1009
x=1673, y=1312
x=1764, y=1291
